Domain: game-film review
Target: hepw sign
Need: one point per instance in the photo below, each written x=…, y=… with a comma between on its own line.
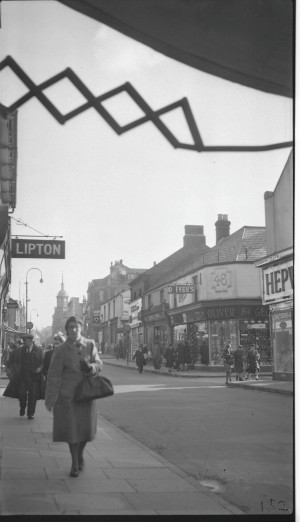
x=41, y=248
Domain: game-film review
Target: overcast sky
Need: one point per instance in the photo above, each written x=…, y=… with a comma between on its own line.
x=125, y=197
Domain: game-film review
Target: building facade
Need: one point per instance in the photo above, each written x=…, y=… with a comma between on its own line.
x=101, y=290
x=277, y=272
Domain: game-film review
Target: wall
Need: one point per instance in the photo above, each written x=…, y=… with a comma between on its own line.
x=221, y=282
x=279, y=211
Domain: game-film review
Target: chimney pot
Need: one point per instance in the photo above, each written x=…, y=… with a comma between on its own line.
x=222, y=227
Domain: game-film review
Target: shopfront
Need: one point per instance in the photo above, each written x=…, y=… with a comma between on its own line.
x=156, y=330
x=209, y=328
x=135, y=323
x=278, y=290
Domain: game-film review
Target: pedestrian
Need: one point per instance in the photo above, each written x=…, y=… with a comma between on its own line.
x=139, y=358
x=187, y=355
x=169, y=358
x=181, y=358
x=228, y=361
x=157, y=358
x=26, y=375
x=57, y=340
x=73, y=422
x=238, y=357
x=252, y=363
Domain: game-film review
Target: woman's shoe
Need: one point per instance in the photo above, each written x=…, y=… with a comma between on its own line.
x=74, y=472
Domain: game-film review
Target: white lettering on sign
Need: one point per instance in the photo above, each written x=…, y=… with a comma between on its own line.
x=42, y=248
x=278, y=281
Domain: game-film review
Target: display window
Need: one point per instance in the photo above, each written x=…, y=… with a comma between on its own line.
x=283, y=340
x=257, y=333
x=220, y=333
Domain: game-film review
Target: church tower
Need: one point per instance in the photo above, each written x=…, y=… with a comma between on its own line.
x=60, y=311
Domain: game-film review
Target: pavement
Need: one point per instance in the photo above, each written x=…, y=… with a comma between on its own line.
x=265, y=382
x=121, y=477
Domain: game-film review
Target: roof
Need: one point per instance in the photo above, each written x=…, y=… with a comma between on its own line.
x=246, y=244
x=180, y=257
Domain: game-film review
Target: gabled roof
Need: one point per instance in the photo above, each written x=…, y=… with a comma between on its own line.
x=246, y=244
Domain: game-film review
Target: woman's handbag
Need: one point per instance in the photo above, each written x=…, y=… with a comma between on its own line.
x=93, y=387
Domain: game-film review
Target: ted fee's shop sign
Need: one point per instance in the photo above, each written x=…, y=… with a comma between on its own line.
x=278, y=282
x=41, y=248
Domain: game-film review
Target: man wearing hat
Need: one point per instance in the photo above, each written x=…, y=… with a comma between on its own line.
x=26, y=368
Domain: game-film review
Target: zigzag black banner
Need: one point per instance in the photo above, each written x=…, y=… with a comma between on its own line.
x=150, y=115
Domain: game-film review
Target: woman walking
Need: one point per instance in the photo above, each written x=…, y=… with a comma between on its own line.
x=252, y=363
x=73, y=422
x=228, y=362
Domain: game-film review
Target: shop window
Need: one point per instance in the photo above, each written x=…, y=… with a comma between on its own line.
x=221, y=332
x=257, y=333
x=283, y=341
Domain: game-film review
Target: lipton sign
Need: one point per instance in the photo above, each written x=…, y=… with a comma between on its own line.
x=40, y=248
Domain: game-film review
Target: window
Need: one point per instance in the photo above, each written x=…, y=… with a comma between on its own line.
x=161, y=295
x=140, y=292
x=108, y=317
x=114, y=308
x=149, y=301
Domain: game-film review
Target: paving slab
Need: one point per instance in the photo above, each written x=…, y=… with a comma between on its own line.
x=121, y=476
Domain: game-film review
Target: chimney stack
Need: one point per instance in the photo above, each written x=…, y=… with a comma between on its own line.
x=194, y=239
x=222, y=227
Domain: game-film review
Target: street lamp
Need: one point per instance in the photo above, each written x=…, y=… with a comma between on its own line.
x=26, y=283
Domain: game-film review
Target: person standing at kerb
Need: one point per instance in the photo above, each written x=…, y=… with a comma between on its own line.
x=228, y=361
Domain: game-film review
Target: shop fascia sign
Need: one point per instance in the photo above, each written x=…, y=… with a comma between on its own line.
x=135, y=310
x=278, y=282
x=38, y=249
x=181, y=289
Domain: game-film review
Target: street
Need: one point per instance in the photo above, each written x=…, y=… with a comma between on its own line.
x=238, y=443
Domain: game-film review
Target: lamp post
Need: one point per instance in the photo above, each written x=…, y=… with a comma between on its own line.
x=26, y=283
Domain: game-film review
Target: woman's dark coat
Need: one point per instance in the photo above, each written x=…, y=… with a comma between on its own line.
x=72, y=421
x=36, y=361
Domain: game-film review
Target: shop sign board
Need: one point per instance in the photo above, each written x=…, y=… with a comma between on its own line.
x=12, y=304
x=39, y=249
x=135, y=312
x=96, y=316
x=181, y=289
x=278, y=282
x=215, y=313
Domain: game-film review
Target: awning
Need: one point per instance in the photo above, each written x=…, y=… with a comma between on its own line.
x=250, y=42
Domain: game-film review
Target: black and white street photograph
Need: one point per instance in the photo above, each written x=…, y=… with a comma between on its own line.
x=147, y=227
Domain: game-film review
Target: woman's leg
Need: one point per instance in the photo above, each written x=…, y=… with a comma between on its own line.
x=80, y=455
x=74, y=454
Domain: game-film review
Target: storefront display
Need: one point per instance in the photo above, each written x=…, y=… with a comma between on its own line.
x=208, y=329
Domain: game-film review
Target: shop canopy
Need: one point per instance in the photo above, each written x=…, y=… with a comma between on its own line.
x=250, y=42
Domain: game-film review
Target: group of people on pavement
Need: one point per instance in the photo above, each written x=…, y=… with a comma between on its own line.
x=54, y=378
x=243, y=364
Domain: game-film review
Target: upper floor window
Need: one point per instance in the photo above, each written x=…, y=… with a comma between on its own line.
x=114, y=308
x=108, y=317
x=161, y=295
x=149, y=300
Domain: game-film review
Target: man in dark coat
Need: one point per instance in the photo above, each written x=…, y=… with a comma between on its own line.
x=139, y=358
x=26, y=366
